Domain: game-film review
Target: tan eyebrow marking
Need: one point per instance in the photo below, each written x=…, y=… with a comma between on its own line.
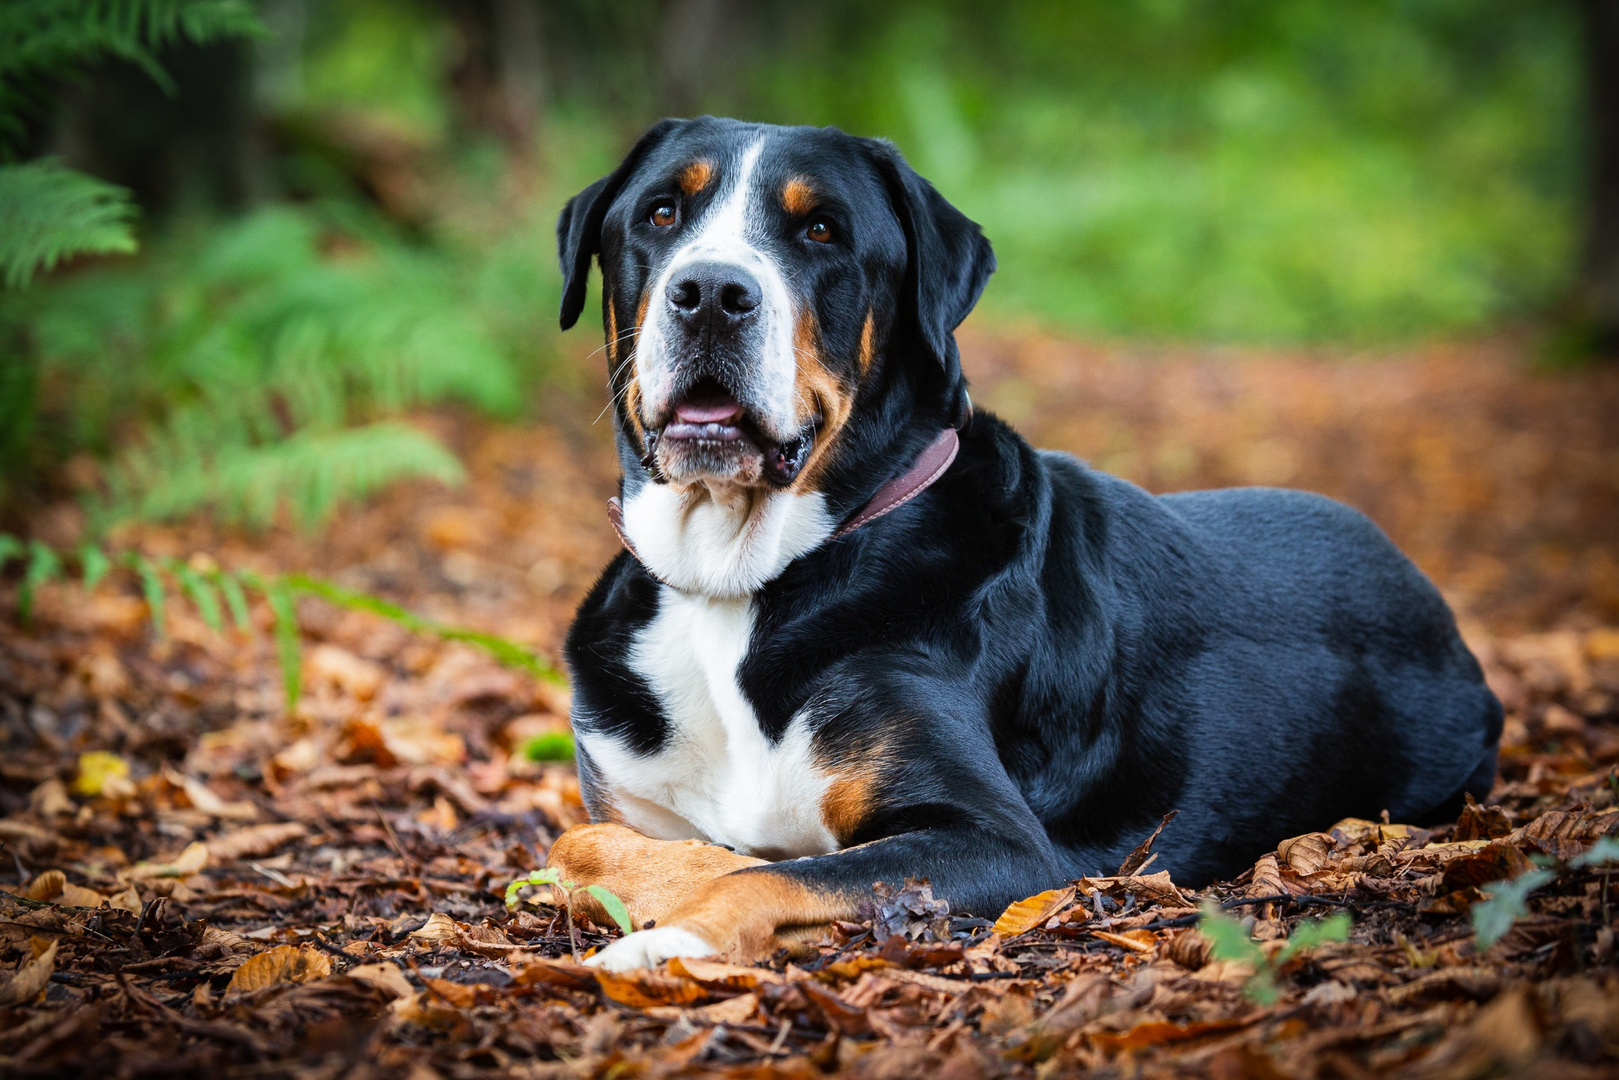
x=798, y=197
x=695, y=177
x=867, y=345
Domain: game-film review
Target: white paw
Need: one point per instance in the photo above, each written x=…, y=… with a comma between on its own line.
x=649, y=948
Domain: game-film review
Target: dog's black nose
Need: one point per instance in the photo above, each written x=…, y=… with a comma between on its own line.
x=721, y=293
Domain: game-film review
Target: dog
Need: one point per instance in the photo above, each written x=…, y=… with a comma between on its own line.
x=861, y=632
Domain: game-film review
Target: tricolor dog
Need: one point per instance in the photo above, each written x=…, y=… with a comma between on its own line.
x=860, y=632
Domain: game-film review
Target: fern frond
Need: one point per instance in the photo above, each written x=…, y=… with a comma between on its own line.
x=279, y=591
x=309, y=471
x=49, y=212
x=43, y=40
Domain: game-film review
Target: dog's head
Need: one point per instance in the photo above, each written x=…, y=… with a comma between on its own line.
x=779, y=305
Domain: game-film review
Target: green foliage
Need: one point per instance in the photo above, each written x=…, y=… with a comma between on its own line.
x=1228, y=940
x=262, y=373
x=49, y=213
x=280, y=592
x=551, y=746
x=1508, y=902
x=41, y=41
x=1282, y=171
x=615, y=908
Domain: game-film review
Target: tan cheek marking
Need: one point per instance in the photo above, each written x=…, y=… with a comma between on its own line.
x=818, y=390
x=612, y=332
x=652, y=877
x=798, y=197
x=868, y=344
x=695, y=177
x=746, y=916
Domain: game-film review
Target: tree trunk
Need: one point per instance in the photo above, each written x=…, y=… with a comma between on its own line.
x=1597, y=294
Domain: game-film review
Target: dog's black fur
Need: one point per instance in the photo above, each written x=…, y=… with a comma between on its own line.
x=1043, y=659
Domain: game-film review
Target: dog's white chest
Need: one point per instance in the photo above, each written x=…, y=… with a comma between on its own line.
x=717, y=777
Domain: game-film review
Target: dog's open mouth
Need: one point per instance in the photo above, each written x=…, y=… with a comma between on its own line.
x=712, y=435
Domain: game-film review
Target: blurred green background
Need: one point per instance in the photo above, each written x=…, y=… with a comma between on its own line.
x=344, y=207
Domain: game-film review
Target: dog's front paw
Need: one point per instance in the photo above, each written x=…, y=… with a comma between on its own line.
x=649, y=948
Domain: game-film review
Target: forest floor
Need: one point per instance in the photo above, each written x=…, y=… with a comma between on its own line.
x=198, y=883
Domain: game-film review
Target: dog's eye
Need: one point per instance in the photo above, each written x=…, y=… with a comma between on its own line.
x=820, y=230
x=663, y=214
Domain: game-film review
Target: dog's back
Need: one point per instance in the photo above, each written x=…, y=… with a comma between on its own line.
x=1303, y=668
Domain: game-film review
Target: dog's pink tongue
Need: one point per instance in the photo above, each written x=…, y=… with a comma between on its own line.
x=708, y=412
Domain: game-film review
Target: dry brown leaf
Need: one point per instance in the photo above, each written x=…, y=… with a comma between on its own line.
x=254, y=841
x=642, y=988
x=129, y=900
x=1267, y=880
x=193, y=860
x=714, y=975
x=460, y=995
x=284, y=963
x=1140, y=941
x=1158, y=1032
x=438, y=930
x=32, y=978
x=1142, y=855
x=46, y=887
x=80, y=897
x=385, y=977
x=1306, y=854
x=487, y=941
x=1024, y=915
x=203, y=798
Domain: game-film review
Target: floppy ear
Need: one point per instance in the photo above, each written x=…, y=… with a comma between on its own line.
x=948, y=262
x=579, y=226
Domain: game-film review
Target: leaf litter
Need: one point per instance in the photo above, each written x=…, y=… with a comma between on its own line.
x=197, y=884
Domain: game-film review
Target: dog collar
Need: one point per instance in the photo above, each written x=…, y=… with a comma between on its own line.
x=930, y=465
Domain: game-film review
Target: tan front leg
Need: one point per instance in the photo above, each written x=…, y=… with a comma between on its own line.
x=651, y=876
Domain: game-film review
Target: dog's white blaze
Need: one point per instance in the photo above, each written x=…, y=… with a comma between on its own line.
x=726, y=234
x=723, y=542
x=717, y=777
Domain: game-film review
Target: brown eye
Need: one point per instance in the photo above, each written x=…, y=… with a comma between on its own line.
x=820, y=230
x=663, y=214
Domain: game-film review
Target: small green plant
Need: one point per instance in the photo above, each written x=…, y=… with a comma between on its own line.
x=551, y=746
x=215, y=592
x=1228, y=940
x=1508, y=901
x=550, y=876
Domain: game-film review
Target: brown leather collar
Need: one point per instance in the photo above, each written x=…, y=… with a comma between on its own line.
x=931, y=464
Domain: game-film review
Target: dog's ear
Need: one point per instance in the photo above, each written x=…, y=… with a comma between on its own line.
x=579, y=226
x=948, y=261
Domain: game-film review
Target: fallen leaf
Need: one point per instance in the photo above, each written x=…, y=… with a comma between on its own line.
x=715, y=975
x=461, y=995
x=1143, y=851
x=643, y=988
x=1305, y=854
x=1140, y=941
x=190, y=861
x=282, y=964
x=31, y=979
x=385, y=977
x=1159, y=1032
x=204, y=798
x=1024, y=915
x=1267, y=879
x=254, y=841
x=46, y=887
x=102, y=772
x=438, y=930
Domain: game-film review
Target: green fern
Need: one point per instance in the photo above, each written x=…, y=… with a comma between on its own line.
x=41, y=41
x=49, y=213
x=205, y=589
x=265, y=373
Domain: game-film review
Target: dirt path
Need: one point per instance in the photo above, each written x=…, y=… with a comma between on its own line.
x=219, y=829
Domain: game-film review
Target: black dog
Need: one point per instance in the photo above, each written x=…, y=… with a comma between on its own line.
x=829, y=644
